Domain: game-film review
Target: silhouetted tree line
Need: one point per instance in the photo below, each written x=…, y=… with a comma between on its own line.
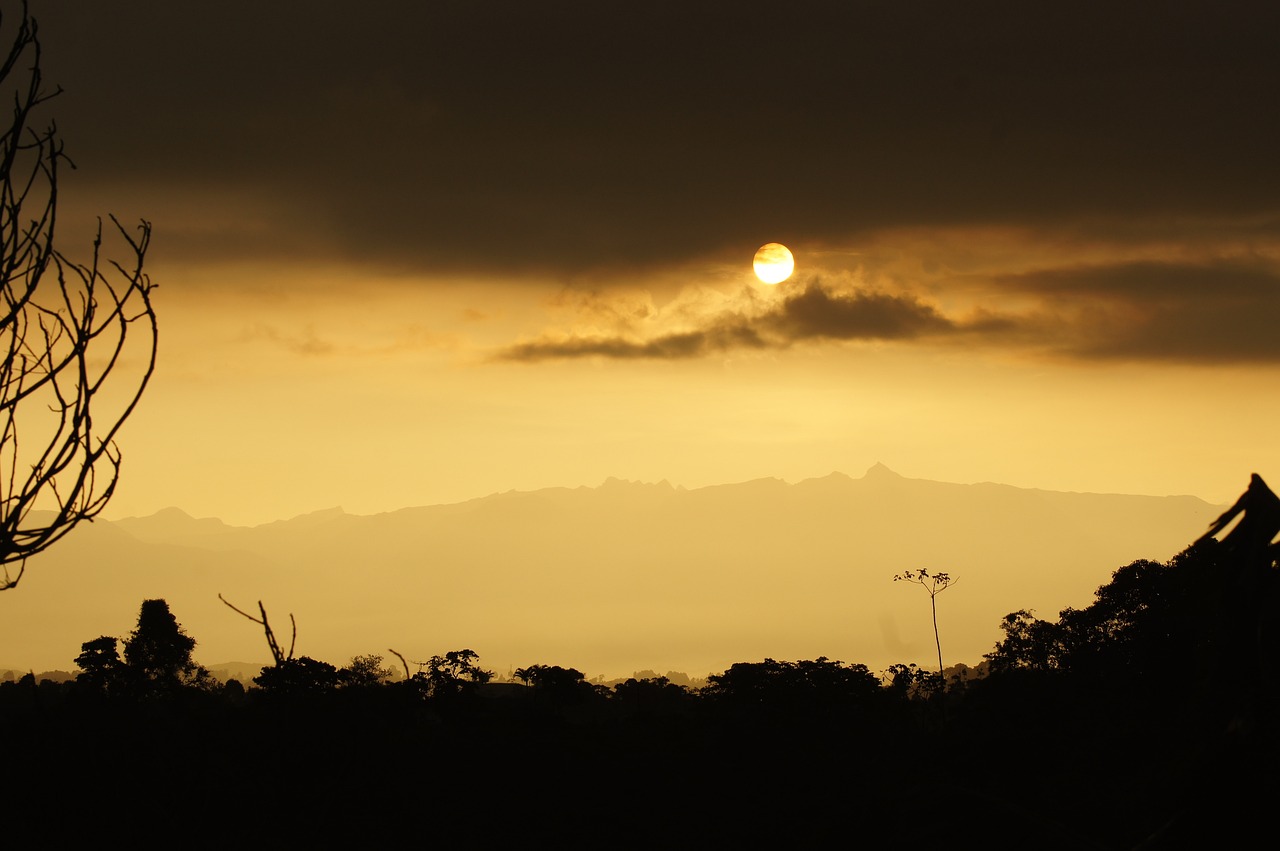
x=1203, y=623
x=1146, y=719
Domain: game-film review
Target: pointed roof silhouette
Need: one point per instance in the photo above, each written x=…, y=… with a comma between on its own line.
x=1259, y=511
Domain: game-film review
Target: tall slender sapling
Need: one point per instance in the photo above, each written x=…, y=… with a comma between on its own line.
x=935, y=584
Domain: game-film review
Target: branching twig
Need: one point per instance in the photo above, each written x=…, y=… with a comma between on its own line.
x=276, y=653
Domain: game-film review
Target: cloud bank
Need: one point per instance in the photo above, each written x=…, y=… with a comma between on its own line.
x=563, y=136
x=573, y=140
x=1223, y=311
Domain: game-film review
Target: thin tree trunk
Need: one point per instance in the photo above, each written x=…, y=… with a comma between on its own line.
x=933, y=601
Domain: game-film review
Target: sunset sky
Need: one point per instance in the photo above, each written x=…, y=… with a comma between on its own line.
x=418, y=252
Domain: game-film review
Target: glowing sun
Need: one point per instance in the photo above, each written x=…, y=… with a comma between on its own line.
x=774, y=263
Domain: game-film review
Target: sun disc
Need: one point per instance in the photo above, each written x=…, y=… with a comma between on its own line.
x=774, y=263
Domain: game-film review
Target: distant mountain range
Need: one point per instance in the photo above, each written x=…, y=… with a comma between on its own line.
x=609, y=580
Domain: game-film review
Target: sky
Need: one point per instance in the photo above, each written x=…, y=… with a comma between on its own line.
x=418, y=252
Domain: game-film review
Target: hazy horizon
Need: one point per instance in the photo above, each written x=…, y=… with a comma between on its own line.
x=319, y=509
x=611, y=579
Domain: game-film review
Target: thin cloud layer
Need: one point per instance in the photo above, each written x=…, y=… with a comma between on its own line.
x=680, y=346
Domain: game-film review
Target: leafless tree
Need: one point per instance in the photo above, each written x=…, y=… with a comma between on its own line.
x=68, y=380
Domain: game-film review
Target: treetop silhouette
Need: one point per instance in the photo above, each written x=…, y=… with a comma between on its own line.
x=157, y=658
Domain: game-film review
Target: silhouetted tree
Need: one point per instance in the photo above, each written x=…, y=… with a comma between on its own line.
x=1195, y=627
x=556, y=686
x=233, y=691
x=300, y=676
x=63, y=333
x=364, y=671
x=1029, y=643
x=157, y=654
x=652, y=696
x=550, y=676
x=1140, y=625
x=818, y=686
x=451, y=676
x=935, y=585
x=910, y=680
x=100, y=665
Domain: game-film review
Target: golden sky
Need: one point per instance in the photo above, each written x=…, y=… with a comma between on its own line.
x=412, y=253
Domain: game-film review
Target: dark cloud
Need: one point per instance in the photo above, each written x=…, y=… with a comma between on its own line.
x=819, y=313
x=1221, y=311
x=813, y=313
x=1203, y=334
x=1216, y=312
x=560, y=136
x=720, y=337
x=1150, y=281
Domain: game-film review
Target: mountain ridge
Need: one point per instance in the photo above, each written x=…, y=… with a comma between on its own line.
x=610, y=579
x=878, y=472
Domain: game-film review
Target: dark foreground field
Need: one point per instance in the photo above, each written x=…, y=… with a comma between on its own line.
x=255, y=777
x=1146, y=720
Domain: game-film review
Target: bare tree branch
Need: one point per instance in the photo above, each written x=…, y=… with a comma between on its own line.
x=78, y=341
x=407, y=675
x=276, y=653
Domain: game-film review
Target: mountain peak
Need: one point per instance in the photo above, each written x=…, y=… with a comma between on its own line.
x=615, y=482
x=171, y=525
x=879, y=472
x=171, y=513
